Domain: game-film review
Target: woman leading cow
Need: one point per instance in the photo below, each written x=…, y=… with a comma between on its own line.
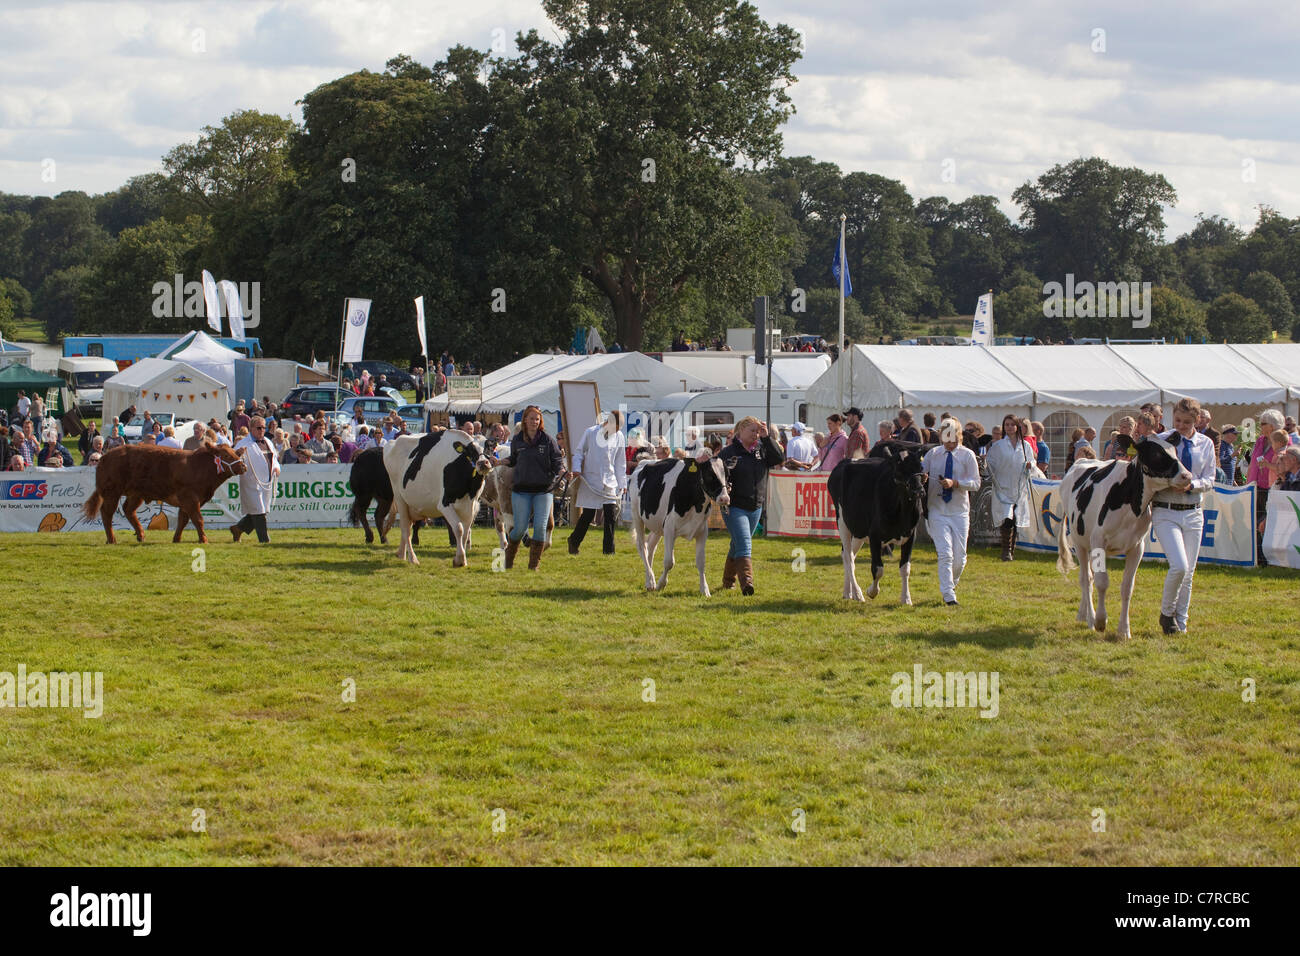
x=537, y=462
x=748, y=458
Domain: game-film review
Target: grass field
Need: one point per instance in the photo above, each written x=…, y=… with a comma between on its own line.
x=478, y=691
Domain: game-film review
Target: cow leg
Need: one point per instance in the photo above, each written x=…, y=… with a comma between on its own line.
x=877, y=568
x=550, y=527
x=642, y=539
x=700, y=542
x=385, y=515
x=106, y=515
x=1132, y=560
x=1101, y=580
x=404, y=550
x=905, y=569
x=669, y=535
x=456, y=525
x=128, y=509
x=1086, y=614
x=848, y=558
x=181, y=517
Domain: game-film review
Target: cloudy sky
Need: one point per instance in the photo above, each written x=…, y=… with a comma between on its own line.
x=950, y=98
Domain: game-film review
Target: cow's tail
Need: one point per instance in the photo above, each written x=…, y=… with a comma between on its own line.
x=1064, y=559
x=91, y=508
x=358, y=510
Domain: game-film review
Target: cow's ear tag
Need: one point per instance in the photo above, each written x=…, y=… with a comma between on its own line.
x=460, y=449
x=693, y=467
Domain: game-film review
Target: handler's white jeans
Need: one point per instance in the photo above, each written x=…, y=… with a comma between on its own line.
x=1179, y=534
x=949, y=535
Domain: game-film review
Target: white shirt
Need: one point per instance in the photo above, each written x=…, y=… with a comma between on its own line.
x=166, y=442
x=965, y=471
x=1203, y=464
x=602, y=461
x=802, y=449
x=24, y=404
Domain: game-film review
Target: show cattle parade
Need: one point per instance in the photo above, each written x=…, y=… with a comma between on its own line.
x=498, y=302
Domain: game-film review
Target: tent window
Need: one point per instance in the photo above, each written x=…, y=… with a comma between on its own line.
x=1057, y=429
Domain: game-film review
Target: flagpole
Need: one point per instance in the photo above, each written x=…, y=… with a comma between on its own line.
x=839, y=342
x=343, y=331
x=992, y=333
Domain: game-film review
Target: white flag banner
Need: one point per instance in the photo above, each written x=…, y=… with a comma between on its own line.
x=1282, y=529
x=212, y=301
x=981, y=332
x=419, y=324
x=234, y=309
x=357, y=314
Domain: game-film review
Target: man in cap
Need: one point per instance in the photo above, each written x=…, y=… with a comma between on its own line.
x=1228, y=453
x=859, y=440
x=802, y=450
x=952, y=474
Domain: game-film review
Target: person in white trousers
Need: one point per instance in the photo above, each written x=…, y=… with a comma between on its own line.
x=952, y=473
x=1176, y=516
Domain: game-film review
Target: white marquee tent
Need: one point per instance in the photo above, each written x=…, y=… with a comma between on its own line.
x=1281, y=362
x=1212, y=374
x=162, y=385
x=629, y=378
x=201, y=351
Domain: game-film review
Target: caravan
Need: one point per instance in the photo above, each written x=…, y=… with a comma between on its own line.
x=716, y=410
x=85, y=378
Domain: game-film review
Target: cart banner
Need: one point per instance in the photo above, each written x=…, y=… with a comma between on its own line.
x=799, y=505
x=1227, y=538
x=50, y=499
x=1282, y=530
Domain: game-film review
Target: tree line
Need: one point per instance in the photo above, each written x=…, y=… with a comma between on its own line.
x=629, y=175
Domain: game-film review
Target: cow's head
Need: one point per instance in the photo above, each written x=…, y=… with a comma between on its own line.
x=472, y=448
x=713, y=476
x=1157, y=459
x=908, y=475
x=227, y=458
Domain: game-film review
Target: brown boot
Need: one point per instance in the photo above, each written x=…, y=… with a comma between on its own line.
x=729, y=574
x=535, y=554
x=1006, y=543
x=511, y=550
x=746, y=570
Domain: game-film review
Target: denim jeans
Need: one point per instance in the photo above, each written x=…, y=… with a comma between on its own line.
x=741, y=524
x=530, y=508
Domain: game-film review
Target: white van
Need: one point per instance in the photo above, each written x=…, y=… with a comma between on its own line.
x=86, y=378
x=716, y=410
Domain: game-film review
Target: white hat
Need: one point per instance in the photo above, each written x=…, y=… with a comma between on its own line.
x=798, y=428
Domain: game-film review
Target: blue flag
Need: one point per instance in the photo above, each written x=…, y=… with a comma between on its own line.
x=835, y=268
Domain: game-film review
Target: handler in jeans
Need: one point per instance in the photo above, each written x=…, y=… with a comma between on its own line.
x=748, y=458
x=537, y=462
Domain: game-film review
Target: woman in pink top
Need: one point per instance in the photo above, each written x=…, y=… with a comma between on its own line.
x=1262, y=456
x=836, y=443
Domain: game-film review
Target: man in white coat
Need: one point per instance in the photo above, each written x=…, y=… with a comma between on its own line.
x=600, y=457
x=1011, y=462
x=257, y=483
x=952, y=473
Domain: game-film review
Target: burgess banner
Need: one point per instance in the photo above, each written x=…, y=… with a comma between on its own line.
x=50, y=499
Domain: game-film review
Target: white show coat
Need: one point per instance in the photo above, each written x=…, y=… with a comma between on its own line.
x=256, y=484
x=1010, y=474
x=601, y=459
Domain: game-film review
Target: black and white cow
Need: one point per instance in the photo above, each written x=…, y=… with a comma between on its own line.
x=881, y=499
x=1107, y=512
x=440, y=473
x=672, y=499
x=370, y=482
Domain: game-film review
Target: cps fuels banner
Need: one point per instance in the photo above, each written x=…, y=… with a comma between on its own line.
x=1227, y=538
x=50, y=499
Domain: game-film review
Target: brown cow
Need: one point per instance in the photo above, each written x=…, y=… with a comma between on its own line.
x=186, y=479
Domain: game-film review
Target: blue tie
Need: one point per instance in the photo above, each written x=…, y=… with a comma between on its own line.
x=947, y=473
x=1185, y=453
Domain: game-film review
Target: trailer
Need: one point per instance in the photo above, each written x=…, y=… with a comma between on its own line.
x=125, y=349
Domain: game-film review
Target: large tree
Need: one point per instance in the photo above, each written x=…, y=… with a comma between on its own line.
x=119, y=294
x=63, y=233
x=633, y=120
x=1103, y=223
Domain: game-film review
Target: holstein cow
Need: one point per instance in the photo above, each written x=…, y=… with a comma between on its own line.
x=672, y=499
x=370, y=482
x=440, y=473
x=881, y=499
x=186, y=479
x=1107, y=512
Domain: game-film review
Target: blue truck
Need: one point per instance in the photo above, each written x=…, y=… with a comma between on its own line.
x=126, y=349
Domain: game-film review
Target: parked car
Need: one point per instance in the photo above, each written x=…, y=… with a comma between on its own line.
x=394, y=375
x=131, y=430
x=375, y=408
x=414, y=417
x=392, y=393
x=307, y=400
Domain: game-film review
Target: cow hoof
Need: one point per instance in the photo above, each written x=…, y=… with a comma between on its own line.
x=872, y=593
x=1122, y=635
x=906, y=603
x=1100, y=625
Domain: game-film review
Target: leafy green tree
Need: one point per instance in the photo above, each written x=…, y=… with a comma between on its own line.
x=1174, y=318
x=7, y=328
x=13, y=227
x=57, y=300
x=822, y=317
x=140, y=201
x=63, y=233
x=1234, y=318
x=1270, y=295
x=1100, y=222
x=634, y=120
x=19, y=297
x=120, y=294
x=1019, y=311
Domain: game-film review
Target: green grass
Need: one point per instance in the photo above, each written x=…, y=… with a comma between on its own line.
x=28, y=330
x=478, y=690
